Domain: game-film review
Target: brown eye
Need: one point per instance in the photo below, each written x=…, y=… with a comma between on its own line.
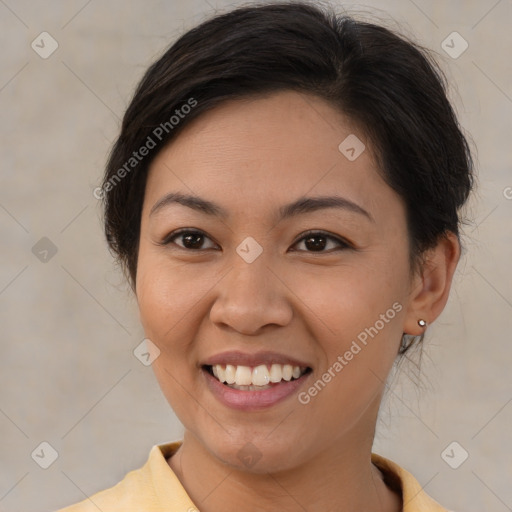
x=317, y=241
x=191, y=239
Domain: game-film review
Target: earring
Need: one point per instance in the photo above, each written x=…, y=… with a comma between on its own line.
x=408, y=339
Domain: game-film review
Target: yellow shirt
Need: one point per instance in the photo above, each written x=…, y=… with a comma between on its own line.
x=156, y=488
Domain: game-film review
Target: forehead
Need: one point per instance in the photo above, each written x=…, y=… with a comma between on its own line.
x=256, y=152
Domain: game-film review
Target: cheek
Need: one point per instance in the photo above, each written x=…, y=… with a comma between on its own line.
x=173, y=304
x=168, y=306
x=355, y=318
x=162, y=304
x=166, y=294
x=346, y=298
x=354, y=312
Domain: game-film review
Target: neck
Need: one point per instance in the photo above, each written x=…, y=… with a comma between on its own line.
x=341, y=477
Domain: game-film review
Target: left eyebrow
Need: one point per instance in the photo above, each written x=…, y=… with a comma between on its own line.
x=300, y=206
x=312, y=204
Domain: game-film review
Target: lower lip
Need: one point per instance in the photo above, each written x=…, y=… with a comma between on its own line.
x=252, y=400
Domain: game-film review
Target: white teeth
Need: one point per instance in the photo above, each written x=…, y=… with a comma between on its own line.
x=287, y=372
x=276, y=373
x=245, y=377
x=230, y=374
x=260, y=375
x=221, y=373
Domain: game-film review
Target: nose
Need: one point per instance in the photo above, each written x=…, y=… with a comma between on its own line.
x=252, y=296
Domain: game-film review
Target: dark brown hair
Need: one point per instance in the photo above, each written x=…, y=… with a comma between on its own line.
x=390, y=86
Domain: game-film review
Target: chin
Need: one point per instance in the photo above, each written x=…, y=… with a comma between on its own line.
x=256, y=456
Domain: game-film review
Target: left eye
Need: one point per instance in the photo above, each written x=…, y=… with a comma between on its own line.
x=193, y=240
x=310, y=236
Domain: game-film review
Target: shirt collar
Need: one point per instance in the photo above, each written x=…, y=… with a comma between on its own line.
x=171, y=492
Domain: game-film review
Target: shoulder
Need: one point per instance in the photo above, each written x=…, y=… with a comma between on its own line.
x=414, y=498
x=154, y=486
x=122, y=497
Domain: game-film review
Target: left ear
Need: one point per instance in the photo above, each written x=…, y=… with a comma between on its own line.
x=429, y=291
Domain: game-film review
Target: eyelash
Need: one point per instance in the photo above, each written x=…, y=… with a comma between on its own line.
x=308, y=234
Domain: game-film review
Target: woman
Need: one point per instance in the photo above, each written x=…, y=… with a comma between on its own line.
x=284, y=198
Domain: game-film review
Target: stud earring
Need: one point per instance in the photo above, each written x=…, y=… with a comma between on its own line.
x=422, y=323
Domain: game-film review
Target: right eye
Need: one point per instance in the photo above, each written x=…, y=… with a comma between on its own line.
x=192, y=239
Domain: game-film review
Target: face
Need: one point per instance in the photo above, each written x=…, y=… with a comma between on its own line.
x=254, y=281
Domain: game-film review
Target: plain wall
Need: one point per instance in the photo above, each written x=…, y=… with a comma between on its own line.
x=68, y=375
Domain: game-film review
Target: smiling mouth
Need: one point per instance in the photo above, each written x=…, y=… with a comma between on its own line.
x=246, y=378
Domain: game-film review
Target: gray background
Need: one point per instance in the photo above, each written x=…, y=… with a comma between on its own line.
x=68, y=375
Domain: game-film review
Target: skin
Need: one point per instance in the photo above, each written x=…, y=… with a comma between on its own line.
x=251, y=157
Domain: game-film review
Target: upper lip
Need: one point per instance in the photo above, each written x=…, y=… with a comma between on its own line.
x=238, y=358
